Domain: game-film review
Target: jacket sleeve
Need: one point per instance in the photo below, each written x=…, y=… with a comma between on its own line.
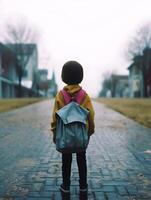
x=88, y=105
x=53, y=120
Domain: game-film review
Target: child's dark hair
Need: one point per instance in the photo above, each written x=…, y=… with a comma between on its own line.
x=72, y=73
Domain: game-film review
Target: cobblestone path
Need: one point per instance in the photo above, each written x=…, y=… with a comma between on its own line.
x=118, y=157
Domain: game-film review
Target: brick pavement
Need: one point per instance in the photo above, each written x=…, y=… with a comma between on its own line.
x=118, y=157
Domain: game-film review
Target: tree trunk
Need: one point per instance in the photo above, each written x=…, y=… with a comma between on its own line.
x=145, y=88
x=20, y=79
x=144, y=83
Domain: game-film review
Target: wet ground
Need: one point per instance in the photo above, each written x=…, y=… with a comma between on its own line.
x=118, y=157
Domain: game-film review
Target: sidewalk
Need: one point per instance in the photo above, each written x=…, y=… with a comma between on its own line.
x=118, y=157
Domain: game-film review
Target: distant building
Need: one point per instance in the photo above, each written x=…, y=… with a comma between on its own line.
x=140, y=75
x=41, y=82
x=115, y=86
x=43, y=85
x=106, y=88
x=119, y=86
x=53, y=88
x=43, y=73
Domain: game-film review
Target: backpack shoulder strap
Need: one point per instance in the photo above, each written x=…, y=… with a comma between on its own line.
x=80, y=96
x=66, y=96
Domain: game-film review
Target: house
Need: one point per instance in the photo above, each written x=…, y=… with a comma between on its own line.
x=136, y=78
x=8, y=72
x=19, y=74
x=119, y=86
x=140, y=75
x=27, y=57
x=17, y=60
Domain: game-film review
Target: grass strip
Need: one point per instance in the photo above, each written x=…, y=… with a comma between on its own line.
x=9, y=104
x=137, y=109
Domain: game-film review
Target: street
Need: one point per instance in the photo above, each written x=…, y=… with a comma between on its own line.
x=118, y=157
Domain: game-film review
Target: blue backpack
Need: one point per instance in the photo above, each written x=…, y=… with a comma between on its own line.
x=71, y=132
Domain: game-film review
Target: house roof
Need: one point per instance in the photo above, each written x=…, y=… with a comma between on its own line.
x=137, y=60
x=132, y=65
x=4, y=48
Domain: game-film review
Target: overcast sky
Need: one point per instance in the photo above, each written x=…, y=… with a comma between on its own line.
x=92, y=32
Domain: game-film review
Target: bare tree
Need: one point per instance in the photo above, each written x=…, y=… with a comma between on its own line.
x=139, y=42
x=20, y=36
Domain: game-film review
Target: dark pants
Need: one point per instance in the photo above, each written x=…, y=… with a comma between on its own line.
x=82, y=167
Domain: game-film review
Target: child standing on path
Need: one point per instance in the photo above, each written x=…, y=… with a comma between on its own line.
x=72, y=75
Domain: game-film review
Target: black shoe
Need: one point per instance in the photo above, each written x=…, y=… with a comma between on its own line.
x=64, y=189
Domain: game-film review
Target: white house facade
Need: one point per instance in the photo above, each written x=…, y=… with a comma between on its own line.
x=136, y=81
x=9, y=59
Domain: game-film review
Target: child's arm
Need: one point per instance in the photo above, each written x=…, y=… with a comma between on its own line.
x=53, y=122
x=88, y=105
x=91, y=118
